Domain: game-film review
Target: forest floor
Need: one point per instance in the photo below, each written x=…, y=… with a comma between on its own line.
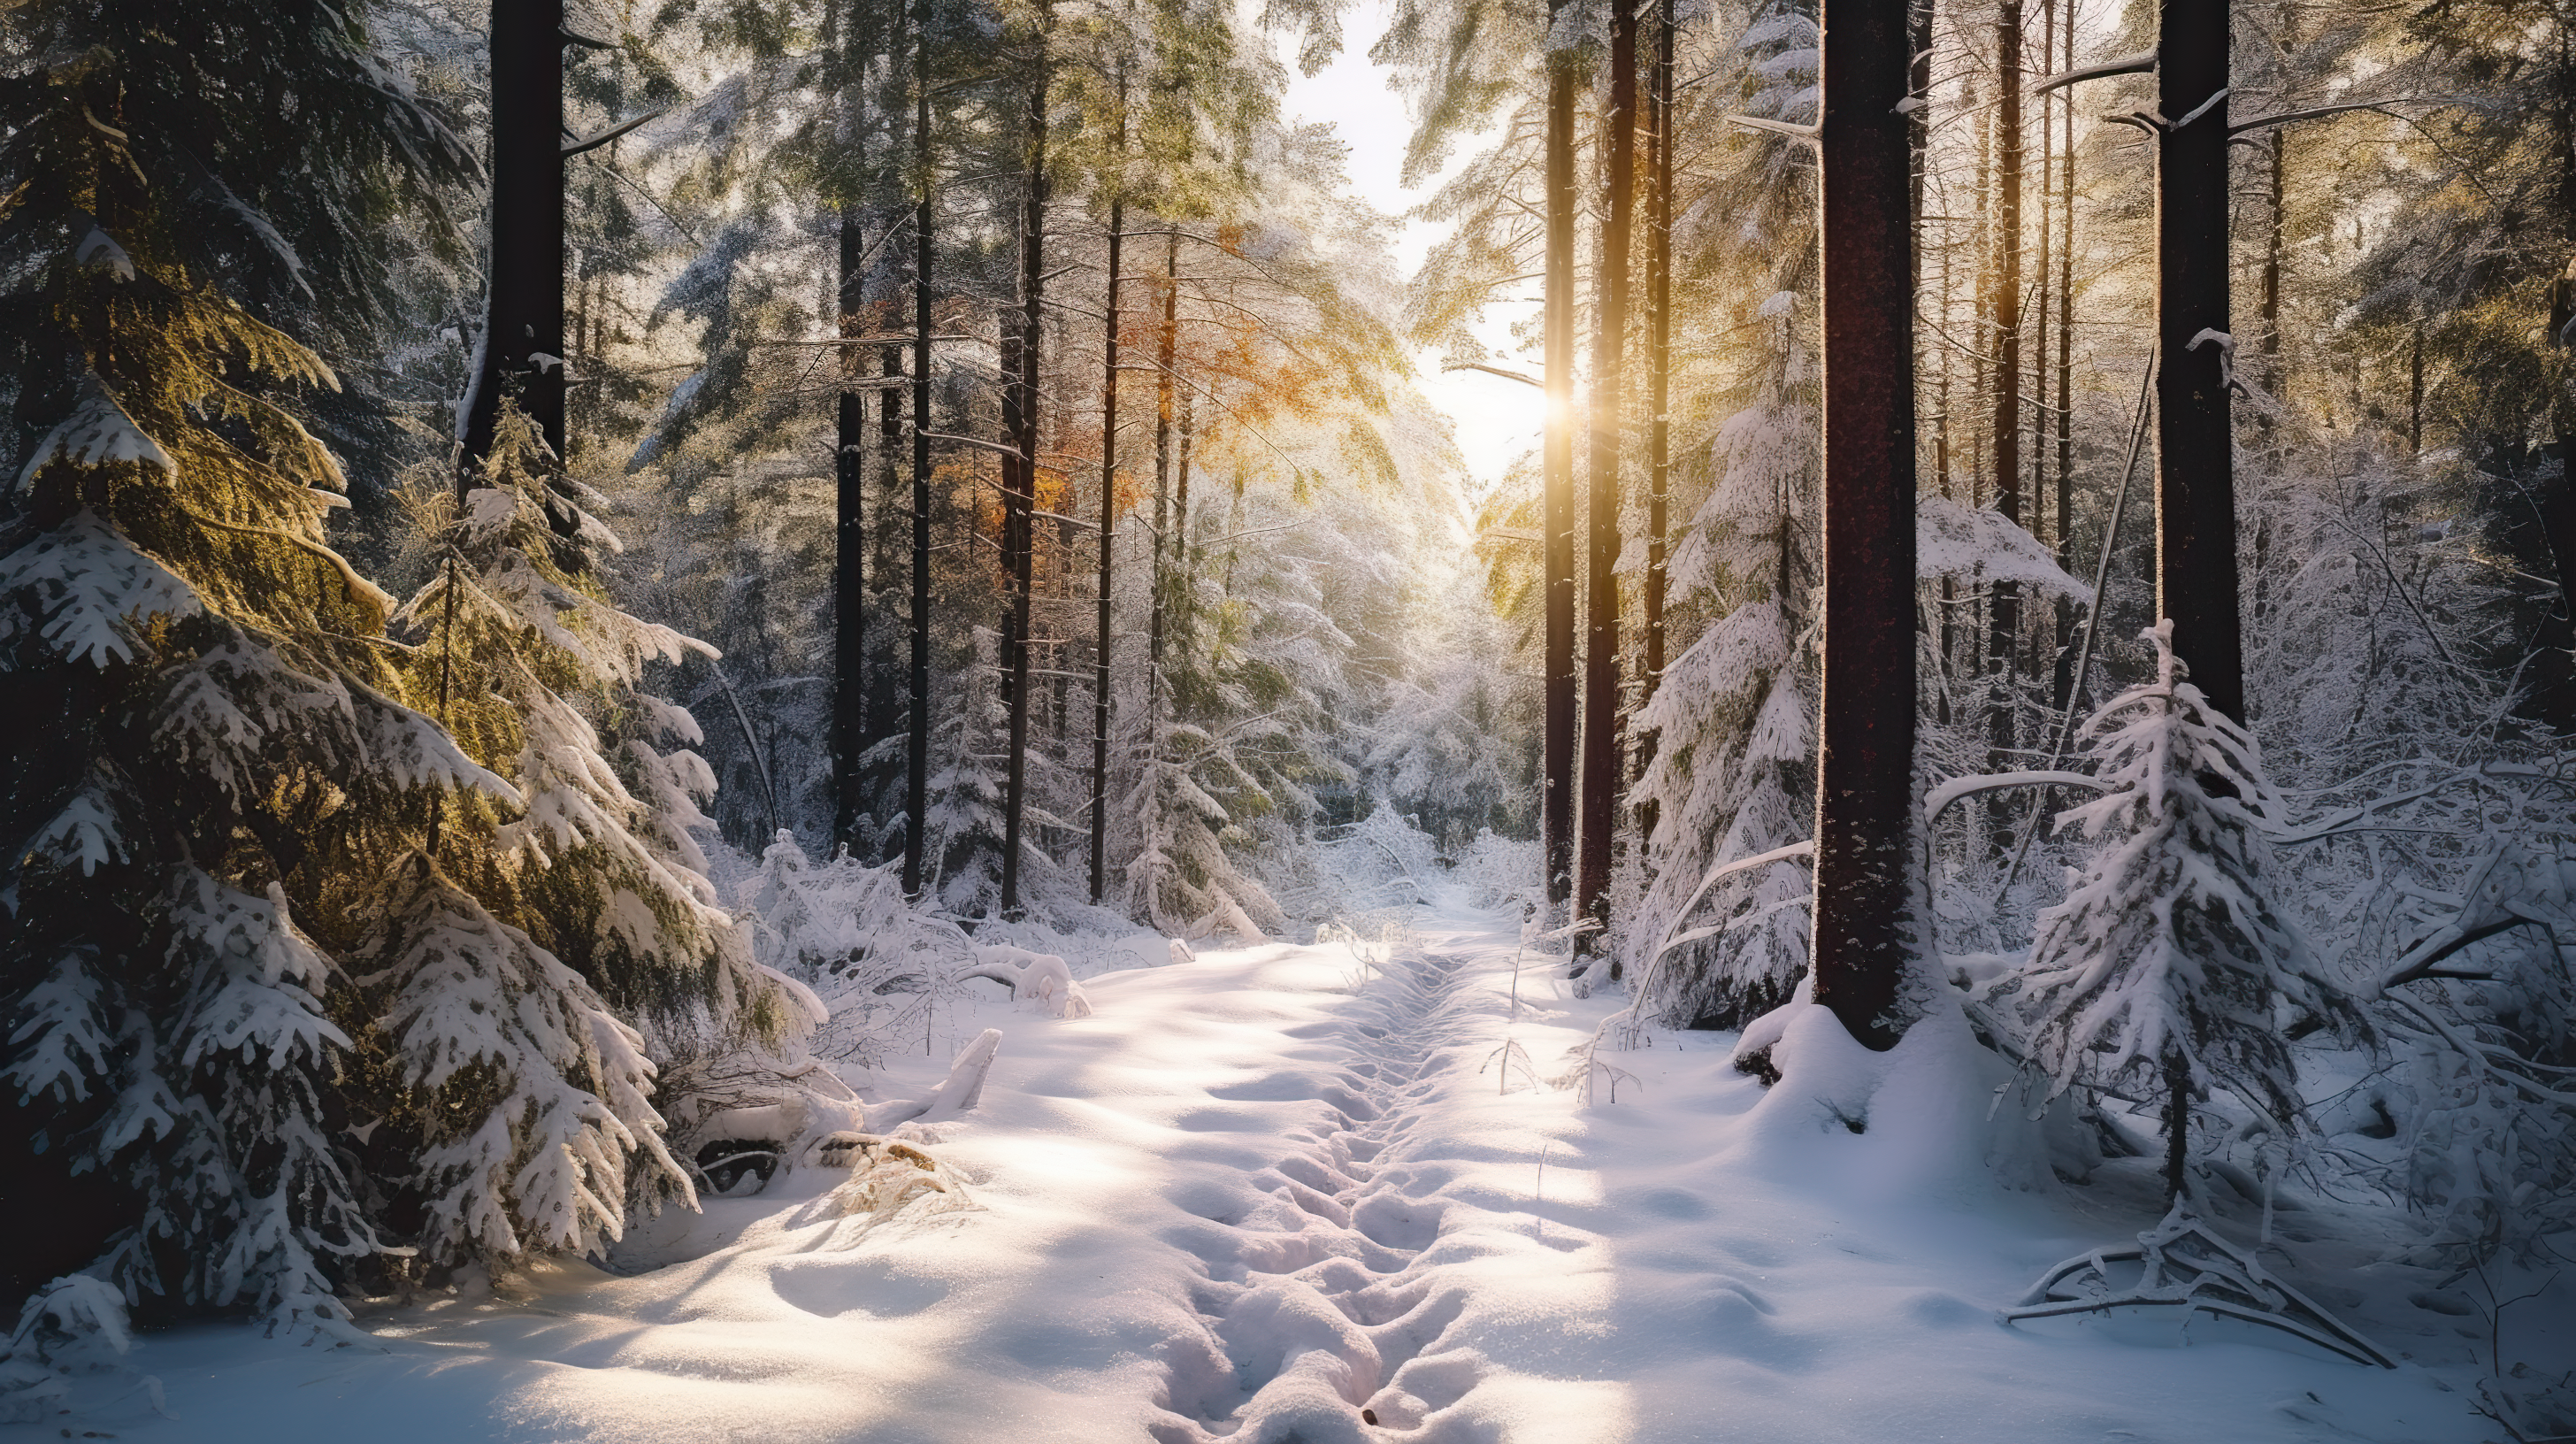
x=1259, y=1192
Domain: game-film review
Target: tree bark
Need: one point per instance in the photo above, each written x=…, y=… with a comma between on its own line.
x=1166, y=348
x=2003, y=644
x=850, y=538
x=1918, y=131
x=2196, y=574
x=1108, y=536
x=916, y=780
x=1659, y=365
x=523, y=327
x=2065, y=679
x=1020, y=416
x=2042, y=282
x=1602, y=722
x=1556, y=806
x=1864, y=925
x=2177, y=1124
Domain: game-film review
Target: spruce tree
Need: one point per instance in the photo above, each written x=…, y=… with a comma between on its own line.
x=226, y=749
x=530, y=955
x=2166, y=971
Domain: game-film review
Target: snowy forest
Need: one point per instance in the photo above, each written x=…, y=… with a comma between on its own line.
x=814, y=719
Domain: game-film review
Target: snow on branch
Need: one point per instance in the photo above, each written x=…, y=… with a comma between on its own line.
x=1957, y=789
x=1952, y=541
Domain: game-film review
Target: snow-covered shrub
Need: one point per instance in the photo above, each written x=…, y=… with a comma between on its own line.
x=2170, y=969
x=1182, y=878
x=900, y=1174
x=1380, y=864
x=75, y=1324
x=844, y=934
x=1499, y=870
x=1733, y=779
x=1041, y=978
x=963, y=829
x=2480, y=1123
x=582, y=922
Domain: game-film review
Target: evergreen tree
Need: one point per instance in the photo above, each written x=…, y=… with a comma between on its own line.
x=2166, y=970
x=528, y=957
x=228, y=757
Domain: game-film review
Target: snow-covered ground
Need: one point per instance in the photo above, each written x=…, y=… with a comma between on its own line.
x=1257, y=1193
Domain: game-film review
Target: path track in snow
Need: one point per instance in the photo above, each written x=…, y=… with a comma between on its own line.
x=1321, y=1293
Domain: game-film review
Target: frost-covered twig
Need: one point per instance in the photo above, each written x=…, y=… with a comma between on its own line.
x=1504, y=1059
x=1630, y=1021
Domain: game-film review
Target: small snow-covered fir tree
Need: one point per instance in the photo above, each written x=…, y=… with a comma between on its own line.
x=2165, y=972
x=535, y=1099
x=1181, y=880
x=962, y=831
x=528, y=958
x=1733, y=781
x=1732, y=721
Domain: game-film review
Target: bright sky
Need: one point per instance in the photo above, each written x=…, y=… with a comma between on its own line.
x=1496, y=419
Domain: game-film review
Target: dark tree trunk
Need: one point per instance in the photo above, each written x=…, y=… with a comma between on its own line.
x=2177, y=1124
x=2196, y=573
x=1020, y=417
x=2003, y=642
x=1556, y=806
x=2415, y=394
x=1941, y=478
x=1181, y=573
x=2041, y=282
x=850, y=537
x=1602, y=723
x=523, y=327
x=1865, y=802
x=1659, y=365
x=2558, y=499
x=1166, y=345
x=1108, y=549
x=2065, y=678
x=916, y=779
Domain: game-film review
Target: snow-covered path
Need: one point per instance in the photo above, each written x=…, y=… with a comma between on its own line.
x=1257, y=1194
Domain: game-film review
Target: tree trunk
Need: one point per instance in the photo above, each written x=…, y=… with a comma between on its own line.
x=2196, y=575
x=1108, y=538
x=1184, y=585
x=523, y=326
x=1020, y=415
x=1601, y=717
x=2177, y=1124
x=1980, y=363
x=1918, y=131
x=2003, y=645
x=1556, y=806
x=1166, y=346
x=1659, y=366
x=2065, y=678
x=850, y=537
x=2415, y=393
x=916, y=780
x=1864, y=926
x=2042, y=280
